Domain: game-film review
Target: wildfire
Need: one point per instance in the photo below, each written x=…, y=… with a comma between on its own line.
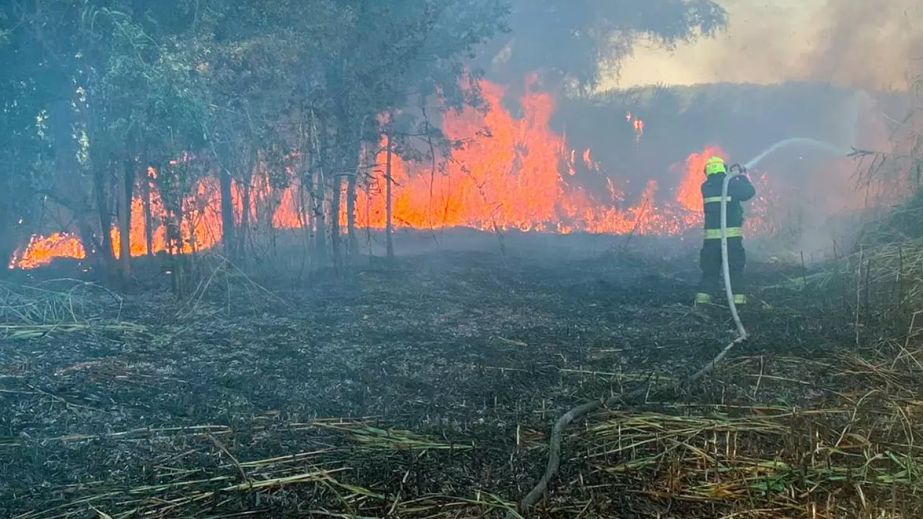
x=517, y=179
x=201, y=227
x=43, y=249
x=511, y=173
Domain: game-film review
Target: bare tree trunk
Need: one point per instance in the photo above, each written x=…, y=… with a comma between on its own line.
x=352, y=246
x=318, y=191
x=336, y=192
x=174, y=225
x=354, y=160
x=305, y=219
x=9, y=234
x=319, y=207
x=175, y=248
x=171, y=194
x=389, y=225
x=244, y=219
x=7, y=242
x=91, y=246
x=72, y=185
x=105, y=222
x=245, y=184
x=124, y=200
x=227, y=212
x=148, y=215
x=7, y=246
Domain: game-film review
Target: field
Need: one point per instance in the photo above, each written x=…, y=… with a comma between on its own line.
x=428, y=388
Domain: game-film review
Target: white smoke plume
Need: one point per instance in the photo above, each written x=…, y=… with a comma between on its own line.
x=849, y=43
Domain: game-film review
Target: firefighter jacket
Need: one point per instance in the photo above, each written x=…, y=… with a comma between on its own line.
x=739, y=190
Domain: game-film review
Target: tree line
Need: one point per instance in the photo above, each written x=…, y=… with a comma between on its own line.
x=105, y=100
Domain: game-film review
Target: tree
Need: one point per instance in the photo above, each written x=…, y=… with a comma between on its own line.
x=25, y=155
x=262, y=72
x=400, y=54
x=143, y=88
x=102, y=85
x=219, y=89
x=39, y=97
x=573, y=40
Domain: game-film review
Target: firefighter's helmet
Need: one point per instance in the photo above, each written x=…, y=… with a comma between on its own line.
x=715, y=165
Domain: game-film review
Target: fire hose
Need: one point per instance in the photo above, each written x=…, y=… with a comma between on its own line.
x=554, y=447
x=734, y=170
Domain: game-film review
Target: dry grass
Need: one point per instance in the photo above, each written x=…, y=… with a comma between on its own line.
x=62, y=306
x=319, y=477
x=857, y=455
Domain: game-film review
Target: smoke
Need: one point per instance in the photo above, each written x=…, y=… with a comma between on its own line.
x=573, y=41
x=867, y=44
x=849, y=43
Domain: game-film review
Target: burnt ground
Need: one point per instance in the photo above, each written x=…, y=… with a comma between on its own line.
x=426, y=389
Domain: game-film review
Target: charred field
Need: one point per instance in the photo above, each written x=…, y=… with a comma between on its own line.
x=427, y=388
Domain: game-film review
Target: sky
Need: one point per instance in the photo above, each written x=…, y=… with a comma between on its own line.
x=868, y=44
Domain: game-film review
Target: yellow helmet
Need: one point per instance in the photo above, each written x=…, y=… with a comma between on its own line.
x=715, y=165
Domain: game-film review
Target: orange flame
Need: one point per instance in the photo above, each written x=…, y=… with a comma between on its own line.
x=510, y=173
x=514, y=180
x=637, y=125
x=689, y=194
x=43, y=249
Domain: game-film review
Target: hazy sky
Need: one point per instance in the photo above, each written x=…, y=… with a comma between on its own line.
x=862, y=43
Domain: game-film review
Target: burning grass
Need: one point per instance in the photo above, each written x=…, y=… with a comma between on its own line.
x=439, y=383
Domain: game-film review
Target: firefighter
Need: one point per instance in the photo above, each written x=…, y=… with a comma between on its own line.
x=739, y=190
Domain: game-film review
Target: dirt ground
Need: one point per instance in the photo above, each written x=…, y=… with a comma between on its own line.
x=425, y=389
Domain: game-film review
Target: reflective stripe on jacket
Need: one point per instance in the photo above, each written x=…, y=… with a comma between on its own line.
x=715, y=234
x=739, y=190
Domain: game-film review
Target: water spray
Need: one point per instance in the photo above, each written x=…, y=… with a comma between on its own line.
x=814, y=143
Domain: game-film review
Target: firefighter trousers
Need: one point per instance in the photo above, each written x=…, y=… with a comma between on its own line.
x=710, y=264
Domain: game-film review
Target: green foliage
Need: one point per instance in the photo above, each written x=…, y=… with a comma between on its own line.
x=98, y=87
x=575, y=39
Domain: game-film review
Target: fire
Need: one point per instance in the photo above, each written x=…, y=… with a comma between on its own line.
x=516, y=179
x=588, y=160
x=637, y=124
x=511, y=172
x=43, y=249
x=200, y=228
x=689, y=194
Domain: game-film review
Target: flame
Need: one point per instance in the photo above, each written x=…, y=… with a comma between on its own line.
x=510, y=172
x=43, y=249
x=588, y=160
x=689, y=194
x=200, y=228
x=515, y=179
x=637, y=124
